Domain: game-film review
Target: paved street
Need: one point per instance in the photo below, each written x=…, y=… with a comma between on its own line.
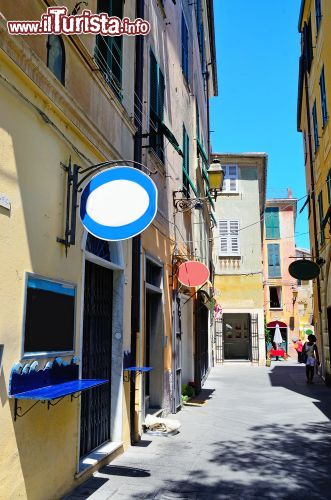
x=262, y=433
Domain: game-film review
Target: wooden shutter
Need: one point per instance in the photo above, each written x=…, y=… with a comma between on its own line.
x=223, y=237
x=228, y=244
x=234, y=237
x=186, y=163
x=272, y=223
x=323, y=98
x=185, y=65
x=153, y=84
x=160, y=96
x=274, y=261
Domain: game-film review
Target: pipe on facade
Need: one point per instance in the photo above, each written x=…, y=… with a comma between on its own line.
x=136, y=242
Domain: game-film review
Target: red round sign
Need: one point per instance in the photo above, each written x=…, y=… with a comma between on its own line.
x=193, y=273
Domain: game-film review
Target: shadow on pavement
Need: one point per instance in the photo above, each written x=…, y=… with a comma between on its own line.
x=274, y=461
x=293, y=378
x=121, y=470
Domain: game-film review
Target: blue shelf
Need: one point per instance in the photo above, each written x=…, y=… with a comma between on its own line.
x=56, y=391
x=55, y=381
x=138, y=369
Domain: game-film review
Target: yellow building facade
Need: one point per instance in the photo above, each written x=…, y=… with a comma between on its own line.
x=314, y=104
x=237, y=257
x=63, y=103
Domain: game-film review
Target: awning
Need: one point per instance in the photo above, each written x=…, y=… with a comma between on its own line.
x=273, y=324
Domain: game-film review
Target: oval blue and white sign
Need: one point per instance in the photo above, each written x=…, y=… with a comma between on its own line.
x=118, y=203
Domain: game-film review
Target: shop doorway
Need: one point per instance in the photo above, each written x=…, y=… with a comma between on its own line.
x=201, y=342
x=96, y=357
x=236, y=336
x=154, y=336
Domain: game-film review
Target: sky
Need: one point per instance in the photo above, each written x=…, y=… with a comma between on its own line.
x=258, y=48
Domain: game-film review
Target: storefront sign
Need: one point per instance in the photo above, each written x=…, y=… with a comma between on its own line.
x=304, y=269
x=118, y=203
x=193, y=273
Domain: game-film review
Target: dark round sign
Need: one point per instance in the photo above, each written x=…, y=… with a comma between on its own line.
x=303, y=269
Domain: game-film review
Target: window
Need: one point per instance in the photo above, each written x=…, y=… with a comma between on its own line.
x=230, y=184
x=315, y=125
x=156, y=107
x=321, y=215
x=109, y=48
x=56, y=56
x=328, y=184
x=272, y=223
x=274, y=261
x=275, y=297
x=318, y=15
x=229, y=239
x=153, y=274
x=308, y=45
x=186, y=163
x=49, y=316
x=185, y=55
x=323, y=98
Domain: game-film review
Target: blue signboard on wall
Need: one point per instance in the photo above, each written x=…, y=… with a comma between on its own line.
x=118, y=203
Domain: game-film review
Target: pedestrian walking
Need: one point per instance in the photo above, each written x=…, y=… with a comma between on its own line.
x=299, y=347
x=311, y=357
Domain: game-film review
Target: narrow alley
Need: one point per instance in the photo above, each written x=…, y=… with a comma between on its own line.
x=261, y=433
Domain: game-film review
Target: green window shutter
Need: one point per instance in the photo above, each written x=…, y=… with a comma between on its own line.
x=109, y=50
x=156, y=107
x=274, y=270
x=153, y=100
x=321, y=215
x=272, y=223
x=186, y=164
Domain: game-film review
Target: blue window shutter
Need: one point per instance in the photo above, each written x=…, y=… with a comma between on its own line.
x=274, y=270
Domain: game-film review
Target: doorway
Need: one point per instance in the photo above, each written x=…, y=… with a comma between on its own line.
x=96, y=357
x=201, y=342
x=236, y=336
x=154, y=336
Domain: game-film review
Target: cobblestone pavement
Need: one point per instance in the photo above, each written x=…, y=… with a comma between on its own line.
x=263, y=433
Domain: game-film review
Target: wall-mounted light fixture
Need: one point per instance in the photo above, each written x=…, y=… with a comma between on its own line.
x=215, y=177
x=294, y=295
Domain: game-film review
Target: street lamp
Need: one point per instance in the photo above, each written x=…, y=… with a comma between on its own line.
x=216, y=177
x=294, y=295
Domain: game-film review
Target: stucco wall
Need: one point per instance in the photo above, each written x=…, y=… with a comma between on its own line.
x=33, y=448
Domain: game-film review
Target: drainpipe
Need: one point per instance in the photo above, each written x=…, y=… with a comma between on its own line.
x=136, y=242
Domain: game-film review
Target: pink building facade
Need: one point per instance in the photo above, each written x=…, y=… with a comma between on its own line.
x=280, y=303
